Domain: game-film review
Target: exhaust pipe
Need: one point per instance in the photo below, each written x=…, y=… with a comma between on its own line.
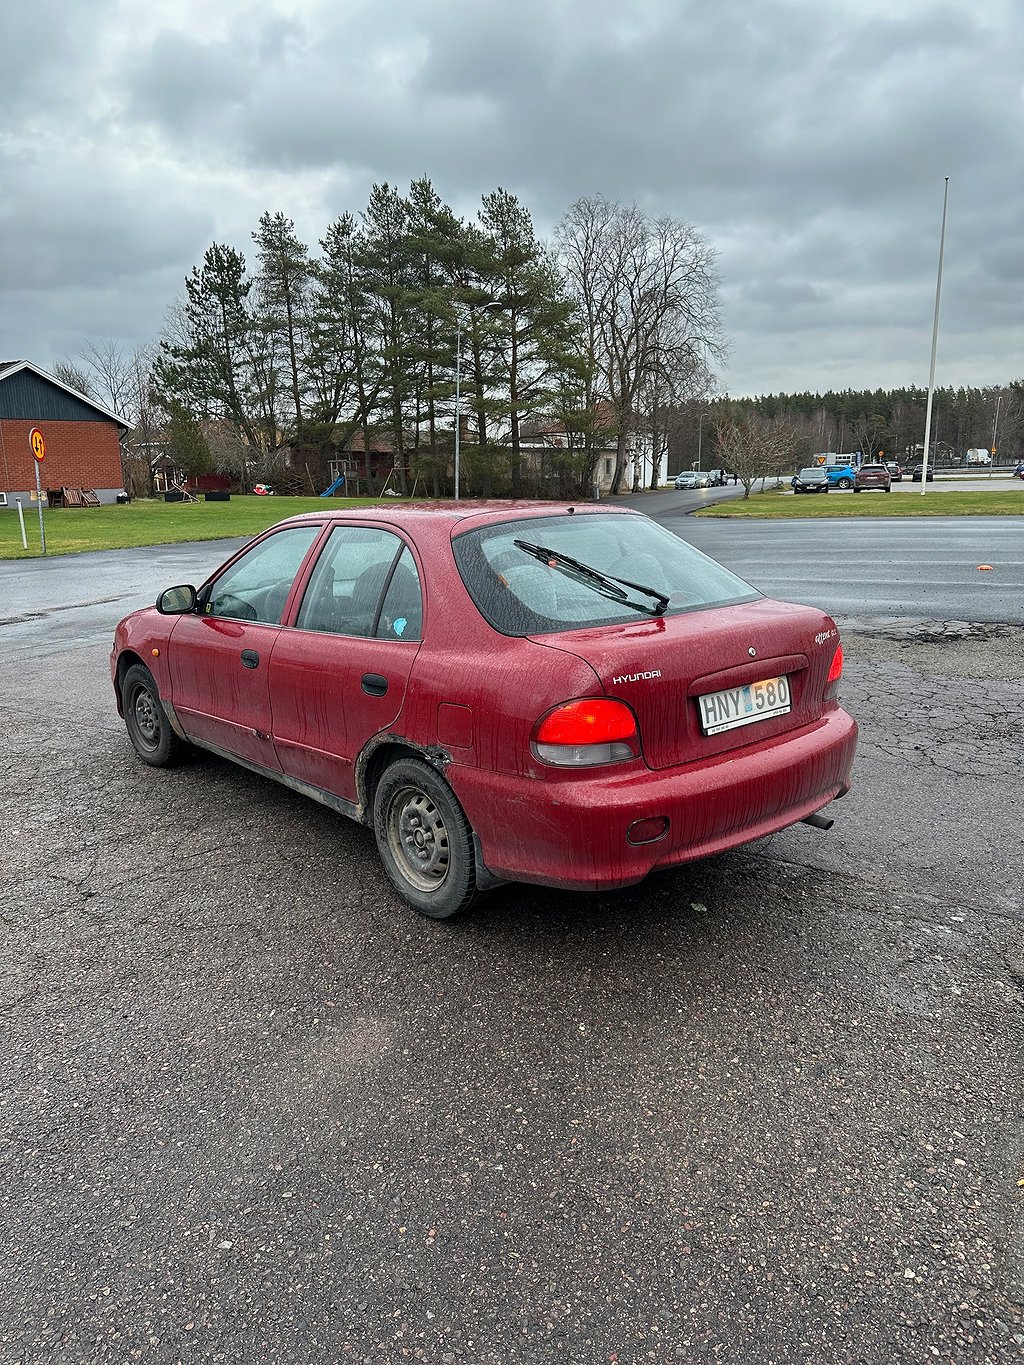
x=818, y=821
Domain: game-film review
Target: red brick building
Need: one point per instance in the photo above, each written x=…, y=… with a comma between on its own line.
x=83, y=438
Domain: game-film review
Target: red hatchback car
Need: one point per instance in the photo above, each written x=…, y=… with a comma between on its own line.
x=514, y=692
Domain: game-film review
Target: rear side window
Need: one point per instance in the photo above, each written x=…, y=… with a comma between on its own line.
x=365, y=583
x=521, y=593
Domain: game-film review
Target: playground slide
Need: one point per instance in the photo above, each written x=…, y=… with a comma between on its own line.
x=339, y=482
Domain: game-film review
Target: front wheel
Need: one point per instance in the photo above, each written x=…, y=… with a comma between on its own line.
x=845, y=483
x=145, y=719
x=424, y=840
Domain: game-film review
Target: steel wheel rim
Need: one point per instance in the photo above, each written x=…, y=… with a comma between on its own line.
x=418, y=839
x=144, y=714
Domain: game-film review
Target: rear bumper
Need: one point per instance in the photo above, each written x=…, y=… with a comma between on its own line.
x=571, y=832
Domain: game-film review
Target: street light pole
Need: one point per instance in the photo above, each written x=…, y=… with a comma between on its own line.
x=458, y=396
x=995, y=428
x=935, y=342
x=700, y=431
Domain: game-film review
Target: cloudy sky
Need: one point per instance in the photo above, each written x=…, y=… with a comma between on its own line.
x=806, y=139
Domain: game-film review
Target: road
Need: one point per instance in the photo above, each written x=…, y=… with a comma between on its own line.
x=767, y=1108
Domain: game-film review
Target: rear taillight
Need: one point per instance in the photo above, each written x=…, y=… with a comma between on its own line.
x=584, y=734
x=835, y=672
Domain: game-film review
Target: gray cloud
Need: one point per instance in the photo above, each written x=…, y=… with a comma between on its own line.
x=808, y=142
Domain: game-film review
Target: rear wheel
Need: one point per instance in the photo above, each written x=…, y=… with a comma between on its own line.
x=424, y=839
x=845, y=483
x=145, y=719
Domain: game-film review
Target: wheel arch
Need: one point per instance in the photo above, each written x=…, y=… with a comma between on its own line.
x=374, y=761
x=125, y=660
x=378, y=755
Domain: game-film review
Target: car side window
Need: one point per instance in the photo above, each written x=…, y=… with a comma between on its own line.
x=401, y=613
x=256, y=586
x=364, y=583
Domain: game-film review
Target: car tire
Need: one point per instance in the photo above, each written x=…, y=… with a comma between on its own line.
x=855, y=488
x=146, y=720
x=845, y=483
x=424, y=840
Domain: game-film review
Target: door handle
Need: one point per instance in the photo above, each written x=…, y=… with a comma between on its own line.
x=374, y=685
x=250, y=659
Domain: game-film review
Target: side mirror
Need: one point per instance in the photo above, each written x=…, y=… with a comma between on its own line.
x=177, y=601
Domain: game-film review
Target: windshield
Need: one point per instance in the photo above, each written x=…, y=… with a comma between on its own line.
x=812, y=473
x=520, y=593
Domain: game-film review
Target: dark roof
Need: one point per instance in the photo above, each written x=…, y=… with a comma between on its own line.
x=381, y=441
x=12, y=367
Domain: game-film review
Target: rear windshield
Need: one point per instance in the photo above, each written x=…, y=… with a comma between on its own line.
x=520, y=593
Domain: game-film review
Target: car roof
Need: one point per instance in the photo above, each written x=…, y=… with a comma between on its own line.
x=456, y=515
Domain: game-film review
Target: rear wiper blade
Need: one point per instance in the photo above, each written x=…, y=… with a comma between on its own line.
x=612, y=585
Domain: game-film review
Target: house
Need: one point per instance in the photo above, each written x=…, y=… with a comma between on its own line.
x=82, y=438
x=542, y=441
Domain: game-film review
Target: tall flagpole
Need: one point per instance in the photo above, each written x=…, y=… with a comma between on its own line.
x=935, y=343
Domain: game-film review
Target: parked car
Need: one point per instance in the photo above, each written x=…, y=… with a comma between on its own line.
x=567, y=696
x=870, y=476
x=1018, y=473
x=716, y=477
x=810, y=480
x=915, y=473
x=692, y=478
x=841, y=475
x=895, y=470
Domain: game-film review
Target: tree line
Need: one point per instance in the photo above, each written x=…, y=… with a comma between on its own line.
x=889, y=424
x=553, y=351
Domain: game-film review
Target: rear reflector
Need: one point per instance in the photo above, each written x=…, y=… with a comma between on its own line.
x=647, y=831
x=581, y=734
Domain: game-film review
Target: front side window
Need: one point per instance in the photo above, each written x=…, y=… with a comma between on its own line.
x=256, y=586
x=521, y=592
x=364, y=583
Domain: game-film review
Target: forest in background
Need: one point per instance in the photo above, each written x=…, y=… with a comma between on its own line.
x=879, y=423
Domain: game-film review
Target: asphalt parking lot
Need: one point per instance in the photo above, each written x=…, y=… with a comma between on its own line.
x=767, y=1108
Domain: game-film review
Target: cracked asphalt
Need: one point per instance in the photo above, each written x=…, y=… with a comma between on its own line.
x=768, y=1108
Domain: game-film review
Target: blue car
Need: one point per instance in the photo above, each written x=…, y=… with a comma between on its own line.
x=841, y=475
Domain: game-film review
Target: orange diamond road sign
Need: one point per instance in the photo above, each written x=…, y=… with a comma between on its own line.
x=38, y=444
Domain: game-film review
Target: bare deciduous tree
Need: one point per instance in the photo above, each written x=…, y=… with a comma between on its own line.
x=647, y=292
x=756, y=448
x=122, y=382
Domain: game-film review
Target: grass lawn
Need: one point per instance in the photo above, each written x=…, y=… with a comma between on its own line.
x=72, y=530
x=784, y=505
